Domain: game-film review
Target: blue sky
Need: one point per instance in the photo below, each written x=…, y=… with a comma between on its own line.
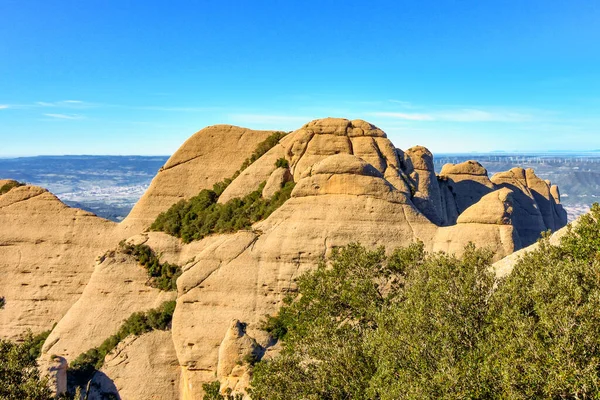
x=139, y=77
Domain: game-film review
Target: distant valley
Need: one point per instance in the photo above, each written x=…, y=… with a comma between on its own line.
x=109, y=186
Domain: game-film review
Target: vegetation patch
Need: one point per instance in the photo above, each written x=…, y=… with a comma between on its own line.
x=282, y=163
x=429, y=326
x=19, y=376
x=162, y=276
x=84, y=366
x=201, y=215
x=10, y=185
x=212, y=392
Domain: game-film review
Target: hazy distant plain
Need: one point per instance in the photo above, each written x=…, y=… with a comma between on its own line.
x=109, y=186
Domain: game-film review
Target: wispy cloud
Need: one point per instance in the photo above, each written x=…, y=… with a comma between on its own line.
x=65, y=104
x=406, y=116
x=405, y=104
x=269, y=119
x=459, y=115
x=65, y=116
x=475, y=115
x=164, y=108
x=4, y=106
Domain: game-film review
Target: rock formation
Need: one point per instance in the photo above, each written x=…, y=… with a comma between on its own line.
x=47, y=255
x=351, y=185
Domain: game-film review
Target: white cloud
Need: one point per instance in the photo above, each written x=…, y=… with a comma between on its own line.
x=406, y=116
x=4, y=106
x=65, y=104
x=459, y=115
x=474, y=115
x=269, y=119
x=65, y=116
x=405, y=104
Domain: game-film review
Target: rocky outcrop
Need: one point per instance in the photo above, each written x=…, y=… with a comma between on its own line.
x=531, y=197
x=237, y=353
x=56, y=373
x=209, y=156
x=276, y=180
x=487, y=224
x=140, y=368
x=427, y=197
x=468, y=182
x=351, y=185
x=117, y=289
x=47, y=254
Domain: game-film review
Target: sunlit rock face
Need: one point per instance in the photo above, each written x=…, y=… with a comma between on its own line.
x=351, y=185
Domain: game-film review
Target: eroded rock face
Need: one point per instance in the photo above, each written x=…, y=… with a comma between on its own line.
x=427, y=197
x=209, y=156
x=116, y=290
x=351, y=185
x=140, y=368
x=276, y=180
x=47, y=254
x=467, y=182
x=236, y=352
x=534, y=206
x=54, y=368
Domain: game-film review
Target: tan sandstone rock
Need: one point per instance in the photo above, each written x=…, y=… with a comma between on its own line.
x=352, y=185
x=278, y=178
x=209, y=156
x=47, y=254
x=493, y=208
x=54, y=369
x=468, y=182
x=527, y=219
x=427, y=197
x=116, y=290
x=139, y=368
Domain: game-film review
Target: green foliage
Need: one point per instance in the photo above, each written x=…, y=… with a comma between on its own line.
x=546, y=328
x=162, y=275
x=202, y=215
x=325, y=330
x=10, y=185
x=19, y=376
x=83, y=367
x=261, y=150
x=211, y=392
x=282, y=163
x=428, y=326
x=428, y=345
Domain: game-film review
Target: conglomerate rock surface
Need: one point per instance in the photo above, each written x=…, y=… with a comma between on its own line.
x=351, y=185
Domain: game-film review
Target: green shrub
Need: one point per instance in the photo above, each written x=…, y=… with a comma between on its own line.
x=282, y=163
x=202, y=215
x=212, y=392
x=19, y=375
x=545, y=333
x=162, y=275
x=10, y=185
x=84, y=366
x=261, y=150
x=428, y=326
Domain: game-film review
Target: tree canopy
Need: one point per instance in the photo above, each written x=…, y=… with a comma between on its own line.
x=413, y=325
